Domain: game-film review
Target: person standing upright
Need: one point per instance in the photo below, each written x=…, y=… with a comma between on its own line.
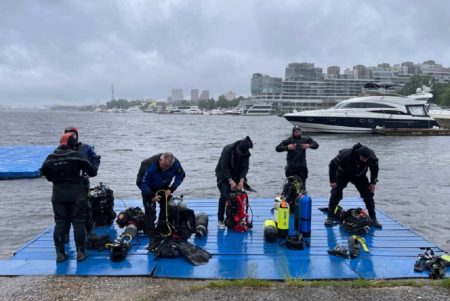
x=296, y=147
x=64, y=168
x=87, y=151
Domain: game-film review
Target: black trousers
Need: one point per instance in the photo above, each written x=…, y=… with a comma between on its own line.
x=362, y=185
x=224, y=188
x=149, y=214
x=67, y=213
x=301, y=172
x=89, y=215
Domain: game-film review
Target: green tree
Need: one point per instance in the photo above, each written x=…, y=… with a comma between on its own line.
x=417, y=81
x=442, y=94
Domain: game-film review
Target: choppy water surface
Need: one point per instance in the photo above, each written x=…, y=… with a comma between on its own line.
x=414, y=176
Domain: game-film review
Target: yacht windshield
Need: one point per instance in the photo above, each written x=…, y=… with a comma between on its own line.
x=417, y=110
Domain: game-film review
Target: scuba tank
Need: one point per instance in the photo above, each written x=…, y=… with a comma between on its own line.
x=305, y=216
x=181, y=203
x=297, y=212
x=270, y=230
x=276, y=205
x=201, y=222
x=283, y=219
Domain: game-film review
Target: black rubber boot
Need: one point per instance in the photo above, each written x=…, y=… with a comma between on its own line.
x=81, y=253
x=329, y=221
x=60, y=254
x=376, y=224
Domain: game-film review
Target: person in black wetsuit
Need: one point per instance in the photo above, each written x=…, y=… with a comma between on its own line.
x=231, y=172
x=351, y=165
x=296, y=147
x=88, y=152
x=64, y=167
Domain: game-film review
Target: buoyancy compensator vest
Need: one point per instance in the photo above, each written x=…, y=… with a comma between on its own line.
x=102, y=202
x=236, y=209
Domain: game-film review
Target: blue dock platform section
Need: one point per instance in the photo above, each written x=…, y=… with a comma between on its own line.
x=393, y=251
x=22, y=161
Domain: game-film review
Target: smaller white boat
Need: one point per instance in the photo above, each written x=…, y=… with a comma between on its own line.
x=262, y=109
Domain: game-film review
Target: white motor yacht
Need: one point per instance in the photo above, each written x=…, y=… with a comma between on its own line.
x=363, y=114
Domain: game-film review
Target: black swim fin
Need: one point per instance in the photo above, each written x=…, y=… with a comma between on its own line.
x=193, y=253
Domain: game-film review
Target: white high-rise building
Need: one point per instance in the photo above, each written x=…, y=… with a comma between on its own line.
x=177, y=94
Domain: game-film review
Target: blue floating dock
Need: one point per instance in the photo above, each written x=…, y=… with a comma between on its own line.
x=22, y=161
x=393, y=252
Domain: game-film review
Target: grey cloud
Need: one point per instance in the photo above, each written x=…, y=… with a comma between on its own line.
x=71, y=51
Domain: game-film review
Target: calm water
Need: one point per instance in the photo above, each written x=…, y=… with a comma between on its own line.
x=414, y=171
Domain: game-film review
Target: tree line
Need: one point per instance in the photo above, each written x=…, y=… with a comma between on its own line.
x=440, y=91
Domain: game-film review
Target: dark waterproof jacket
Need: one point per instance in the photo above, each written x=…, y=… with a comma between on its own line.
x=231, y=165
x=144, y=165
x=296, y=158
x=155, y=178
x=347, y=164
x=88, y=152
x=64, y=168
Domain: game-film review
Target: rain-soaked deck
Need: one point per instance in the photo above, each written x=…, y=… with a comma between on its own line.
x=393, y=251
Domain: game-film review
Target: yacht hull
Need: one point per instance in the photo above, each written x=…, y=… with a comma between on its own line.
x=355, y=124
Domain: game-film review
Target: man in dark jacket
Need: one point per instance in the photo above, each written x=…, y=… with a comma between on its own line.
x=231, y=172
x=296, y=147
x=351, y=165
x=88, y=153
x=64, y=168
x=161, y=173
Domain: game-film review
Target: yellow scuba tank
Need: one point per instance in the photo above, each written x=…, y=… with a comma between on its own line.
x=276, y=205
x=270, y=230
x=283, y=219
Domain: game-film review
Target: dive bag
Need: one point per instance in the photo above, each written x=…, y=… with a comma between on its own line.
x=102, y=202
x=133, y=216
x=236, y=210
x=356, y=221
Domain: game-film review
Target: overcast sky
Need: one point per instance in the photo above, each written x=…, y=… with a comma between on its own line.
x=69, y=52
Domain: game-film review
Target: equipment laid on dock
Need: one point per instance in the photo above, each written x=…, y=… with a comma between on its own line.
x=102, y=202
x=240, y=255
x=201, y=224
x=133, y=221
x=236, y=209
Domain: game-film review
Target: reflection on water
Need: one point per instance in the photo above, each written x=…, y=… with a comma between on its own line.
x=414, y=171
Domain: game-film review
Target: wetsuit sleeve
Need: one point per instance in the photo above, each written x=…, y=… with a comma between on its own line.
x=179, y=176
x=145, y=184
x=88, y=168
x=313, y=144
x=93, y=158
x=45, y=171
x=333, y=168
x=225, y=163
x=283, y=146
x=140, y=174
x=244, y=168
x=373, y=166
